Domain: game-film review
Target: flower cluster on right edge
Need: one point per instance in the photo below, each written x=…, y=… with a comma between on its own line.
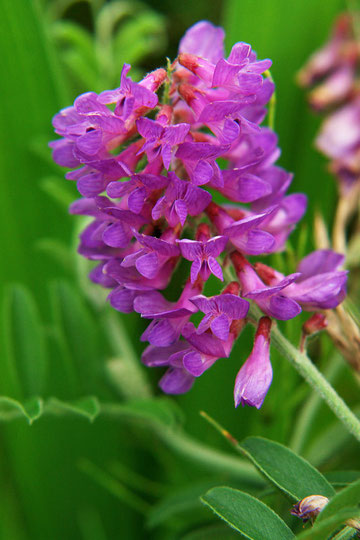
x=152, y=161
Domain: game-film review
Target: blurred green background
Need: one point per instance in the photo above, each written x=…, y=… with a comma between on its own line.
x=127, y=473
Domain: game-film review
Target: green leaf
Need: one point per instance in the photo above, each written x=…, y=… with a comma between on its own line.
x=88, y=407
x=24, y=343
x=245, y=514
x=348, y=496
x=321, y=530
x=288, y=471
x=11, y=408
x=342, y=478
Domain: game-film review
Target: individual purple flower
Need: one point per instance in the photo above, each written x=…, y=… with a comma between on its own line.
x=176, y=380
x=271, y=299
x=221, y=310
x=180, y=200
x=132, y=97
x=205, y=349
x=138, y=189
x=153, y=253
x=203, y=253
x=199, y=159
x=160, y=138
x=319, y=285
x=169, y=318
x=254, y=378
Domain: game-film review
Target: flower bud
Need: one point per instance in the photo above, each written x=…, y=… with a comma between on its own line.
x=254, y=378
x=309, y=507
x=314, y=324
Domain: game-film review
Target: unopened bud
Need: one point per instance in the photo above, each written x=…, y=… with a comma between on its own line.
x=309, y=507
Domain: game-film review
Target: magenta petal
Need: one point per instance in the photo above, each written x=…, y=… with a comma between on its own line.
x=283, y=308
x=319, y=262
x=163, y=356
x=176, y=381
x=234, y=306
x=254, y=378
x=205, y=40
x=136, y=200
x=116, y=235
x=205, y=323
x=254, y=242
x=195, y=269
x=215, y=268
x=190, y=249
x=122, y=299
x=161, y=333
x=151, y=302
x=148, y=265
x=166, y=155
x=90, y=143
x=215, y=245
x=196, y=363
x=203, y=173
x=220, y=327
x=181, y=210
x=90, y=185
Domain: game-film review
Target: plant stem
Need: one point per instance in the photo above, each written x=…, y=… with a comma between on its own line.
x=312, y=375
x=310, y=409
x=272, y=103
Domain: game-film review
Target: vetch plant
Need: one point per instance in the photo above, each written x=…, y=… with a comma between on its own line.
x=178, y=167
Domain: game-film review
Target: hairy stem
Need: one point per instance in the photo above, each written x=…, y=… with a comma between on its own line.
x=312, y=375
x=310, y=409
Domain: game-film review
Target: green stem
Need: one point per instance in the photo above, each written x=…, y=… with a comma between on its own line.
x=312, y=375
x=272, y=103
x=305, y=419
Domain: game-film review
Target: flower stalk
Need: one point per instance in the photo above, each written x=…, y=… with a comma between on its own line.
x=317, y=381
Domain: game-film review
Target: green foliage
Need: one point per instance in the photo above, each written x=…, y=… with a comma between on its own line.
x=286, y=470
x=75, y=400
x=252, y=518
x=124, y=32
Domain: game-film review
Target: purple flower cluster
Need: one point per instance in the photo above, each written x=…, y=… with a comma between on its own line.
x=333, y=73
x=150, y=170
